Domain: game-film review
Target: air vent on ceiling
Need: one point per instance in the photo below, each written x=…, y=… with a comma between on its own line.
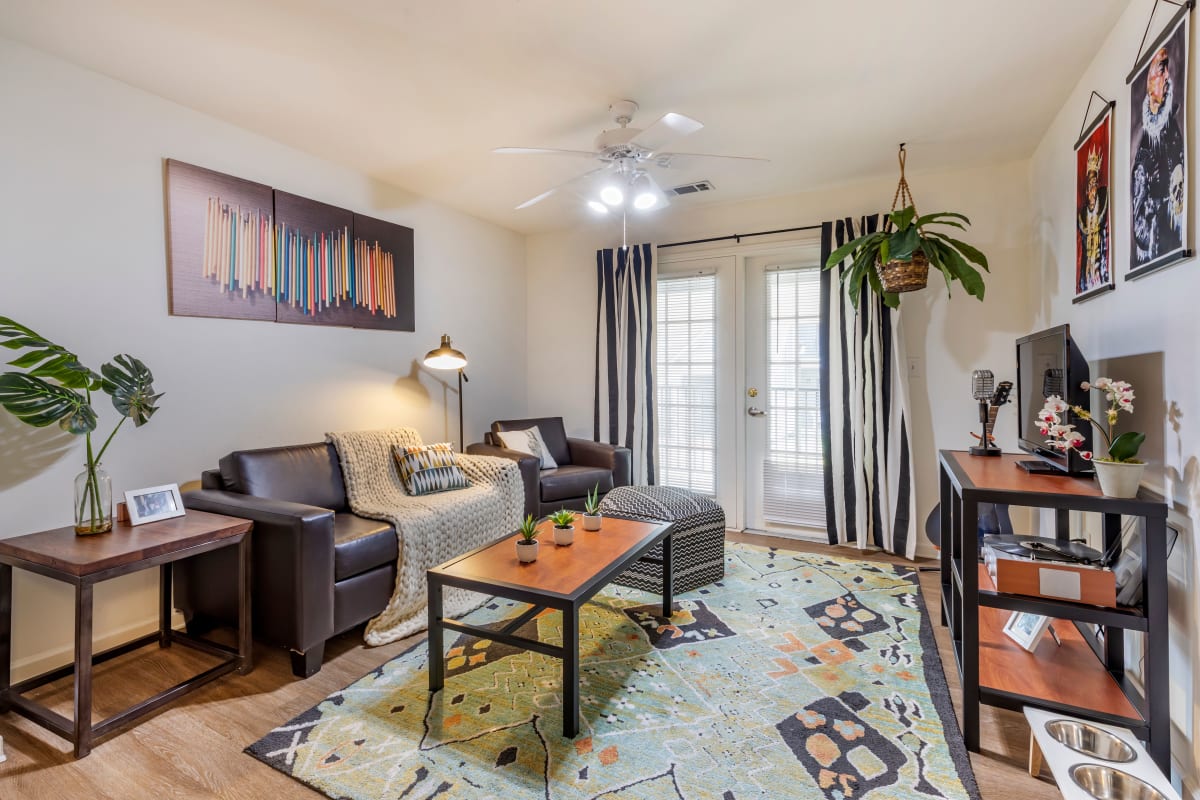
x=691, y=188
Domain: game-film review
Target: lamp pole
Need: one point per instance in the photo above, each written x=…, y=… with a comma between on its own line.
x=462, y=441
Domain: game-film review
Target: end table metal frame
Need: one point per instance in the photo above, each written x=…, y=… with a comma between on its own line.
x=81, y=731
x=539, y=601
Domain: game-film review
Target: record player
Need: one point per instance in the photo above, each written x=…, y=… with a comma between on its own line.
x=1041, y=567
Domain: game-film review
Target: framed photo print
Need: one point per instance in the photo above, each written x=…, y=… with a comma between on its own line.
x=153, y=504
x=1026, y=629
x=1093, y=209
x=1158, y=155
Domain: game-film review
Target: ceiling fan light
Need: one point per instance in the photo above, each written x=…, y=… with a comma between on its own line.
x=597, y=206
x=645, y=201
x=612, y=195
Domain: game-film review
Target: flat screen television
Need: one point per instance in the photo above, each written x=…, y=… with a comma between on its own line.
x=1049, y=363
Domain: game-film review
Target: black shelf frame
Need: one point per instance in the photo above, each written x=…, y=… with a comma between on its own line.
x=962, y=596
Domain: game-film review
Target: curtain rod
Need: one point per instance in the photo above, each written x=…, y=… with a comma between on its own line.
x=737, y=237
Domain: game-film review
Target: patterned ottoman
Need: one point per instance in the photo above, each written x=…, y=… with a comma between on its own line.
x=698, y=539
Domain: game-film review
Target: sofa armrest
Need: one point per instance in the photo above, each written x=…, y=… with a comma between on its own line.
x=587, y=453
x=292, y=575
x=530, y=466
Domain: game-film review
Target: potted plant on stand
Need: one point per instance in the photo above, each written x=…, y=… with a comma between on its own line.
x=1120, y=472
x=564, y=526
x=56, y=388
x=527, y=545
x=591, y=510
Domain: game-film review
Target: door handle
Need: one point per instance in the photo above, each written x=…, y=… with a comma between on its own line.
x=755, y=412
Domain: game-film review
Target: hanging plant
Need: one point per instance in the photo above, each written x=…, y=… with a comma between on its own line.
x=897, y=258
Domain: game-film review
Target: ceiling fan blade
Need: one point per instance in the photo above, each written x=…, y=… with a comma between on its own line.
x=667, y=128
x=544, y=151
x=665, y=159
x=534, y=200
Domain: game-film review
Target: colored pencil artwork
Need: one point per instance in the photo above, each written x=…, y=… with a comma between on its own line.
x=237, y=249
x=329, y=269
x=246, y=251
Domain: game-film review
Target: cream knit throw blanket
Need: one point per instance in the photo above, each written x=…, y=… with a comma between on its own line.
x=430, y=528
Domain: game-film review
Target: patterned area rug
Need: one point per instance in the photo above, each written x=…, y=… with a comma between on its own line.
x=798, y=676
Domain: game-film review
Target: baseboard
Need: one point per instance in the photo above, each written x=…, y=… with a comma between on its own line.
x=38, y=663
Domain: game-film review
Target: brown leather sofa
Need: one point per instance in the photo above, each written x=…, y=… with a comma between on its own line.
x=582, y=465
x=318, y=570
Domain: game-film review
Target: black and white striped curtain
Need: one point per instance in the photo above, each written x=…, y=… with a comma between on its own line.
x=625, y=354
x=865, y=419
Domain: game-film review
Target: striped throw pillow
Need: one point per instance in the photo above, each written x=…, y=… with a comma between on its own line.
x=429, y=469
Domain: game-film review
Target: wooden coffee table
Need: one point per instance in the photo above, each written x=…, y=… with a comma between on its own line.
x=84, y=561
x=562, y=578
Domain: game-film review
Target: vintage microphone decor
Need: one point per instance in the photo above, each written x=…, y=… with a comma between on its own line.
x=990, y=397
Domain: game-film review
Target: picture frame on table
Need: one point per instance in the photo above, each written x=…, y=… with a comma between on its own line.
x=154, y=503
x=1026, y=629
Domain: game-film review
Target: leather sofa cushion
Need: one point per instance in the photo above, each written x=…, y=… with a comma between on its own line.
x=554, y=434
x=361, y=544
x=306, y=473
x=569, y=482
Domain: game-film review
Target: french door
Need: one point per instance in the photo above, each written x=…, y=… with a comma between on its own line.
x=738, y=387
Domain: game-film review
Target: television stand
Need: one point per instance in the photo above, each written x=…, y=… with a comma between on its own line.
x=1035, y=467
x=1086, y=676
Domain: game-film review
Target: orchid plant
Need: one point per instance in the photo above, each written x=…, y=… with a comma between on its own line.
x=1119, y=396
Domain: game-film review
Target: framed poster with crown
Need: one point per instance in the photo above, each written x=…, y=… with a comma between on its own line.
x=1093, y=208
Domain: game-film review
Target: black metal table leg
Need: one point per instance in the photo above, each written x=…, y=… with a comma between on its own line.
x=570, y=670
x=165, y=606
x=245, y=611
x=5, y=634
x=1157, y=670
x=970, y=623
x=436, y=664
x=83, y=669
x=668, y=577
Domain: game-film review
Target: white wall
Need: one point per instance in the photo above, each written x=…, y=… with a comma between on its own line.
x=1146, y=331
x=951, y=337
x=81, y=218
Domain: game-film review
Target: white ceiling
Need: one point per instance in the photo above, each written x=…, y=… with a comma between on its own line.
x=418, y=93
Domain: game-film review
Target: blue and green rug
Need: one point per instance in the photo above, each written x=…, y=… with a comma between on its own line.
x=798, y=676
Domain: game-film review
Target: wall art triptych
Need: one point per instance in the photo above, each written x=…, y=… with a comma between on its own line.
x=242, y=250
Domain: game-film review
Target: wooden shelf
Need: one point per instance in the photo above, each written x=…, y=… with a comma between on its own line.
x=1125, y=617
x=1069, y=675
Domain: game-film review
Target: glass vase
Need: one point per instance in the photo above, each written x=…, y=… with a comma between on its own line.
x=93, y=501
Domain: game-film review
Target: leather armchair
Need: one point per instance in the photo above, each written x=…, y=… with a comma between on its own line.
x=582, y=465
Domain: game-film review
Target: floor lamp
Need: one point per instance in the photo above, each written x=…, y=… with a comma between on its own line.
x=446, y=357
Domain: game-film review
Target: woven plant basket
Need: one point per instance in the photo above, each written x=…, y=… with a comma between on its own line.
x=904, y=276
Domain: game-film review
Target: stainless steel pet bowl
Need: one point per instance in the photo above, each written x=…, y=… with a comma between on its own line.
x=1109, y=783
x=1090, y=740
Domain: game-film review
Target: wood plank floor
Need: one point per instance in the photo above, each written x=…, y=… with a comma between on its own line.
x=193, y=748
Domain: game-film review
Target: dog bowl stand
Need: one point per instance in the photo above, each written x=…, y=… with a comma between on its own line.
x=1058, y=758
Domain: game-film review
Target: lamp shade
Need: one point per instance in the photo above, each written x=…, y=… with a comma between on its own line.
x=445, y=357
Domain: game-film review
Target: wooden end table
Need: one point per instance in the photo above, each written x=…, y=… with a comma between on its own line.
x=562, y=578
x=84, y=561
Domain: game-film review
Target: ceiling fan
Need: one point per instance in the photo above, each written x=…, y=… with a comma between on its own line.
x=625, y=154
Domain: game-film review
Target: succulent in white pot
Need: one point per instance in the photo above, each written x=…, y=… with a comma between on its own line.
x=527, y=545
x=592, y=518
x=564, y=527
x=1119, y=471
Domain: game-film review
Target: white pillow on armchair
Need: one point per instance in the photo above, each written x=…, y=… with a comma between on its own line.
x=529, y=441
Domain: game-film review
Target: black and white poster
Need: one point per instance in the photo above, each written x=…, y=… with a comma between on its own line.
x=1158, y=169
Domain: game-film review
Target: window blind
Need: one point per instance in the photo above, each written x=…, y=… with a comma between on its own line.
x=686, y=388
x=793, y=483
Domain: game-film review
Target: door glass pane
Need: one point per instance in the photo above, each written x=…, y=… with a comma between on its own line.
x=686, y=387
x=793, y=481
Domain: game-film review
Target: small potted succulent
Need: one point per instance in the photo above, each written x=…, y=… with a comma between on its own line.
x=527, y=545
x=591, y=510
x=564, y=526
x=1121, y=471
